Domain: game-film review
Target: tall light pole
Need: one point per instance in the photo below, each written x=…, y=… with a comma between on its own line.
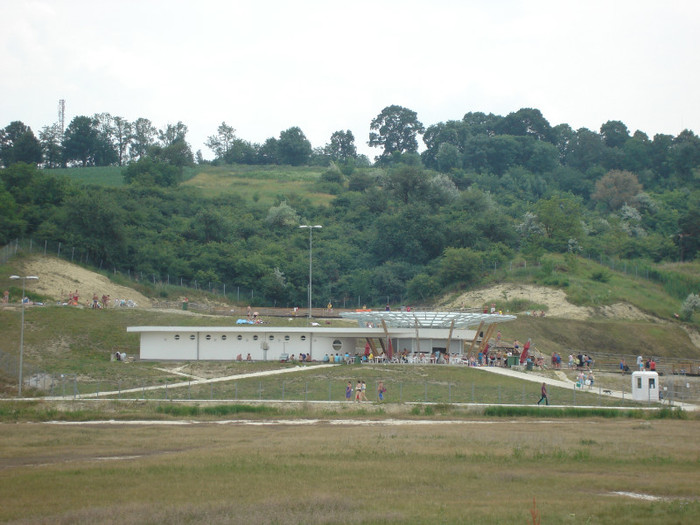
x=311, y=230
x=21, y=336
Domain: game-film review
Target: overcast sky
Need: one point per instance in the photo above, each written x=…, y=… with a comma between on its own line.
x=265, y=66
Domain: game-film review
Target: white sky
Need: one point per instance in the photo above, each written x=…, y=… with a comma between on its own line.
x=264, y=66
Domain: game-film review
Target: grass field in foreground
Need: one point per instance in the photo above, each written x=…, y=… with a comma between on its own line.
x=470, y=472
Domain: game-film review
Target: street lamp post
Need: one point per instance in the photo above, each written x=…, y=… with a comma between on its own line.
x=311, y=230
x=21, y=336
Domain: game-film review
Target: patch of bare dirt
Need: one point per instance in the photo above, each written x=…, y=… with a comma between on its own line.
x=554, y=299
x=59, y=278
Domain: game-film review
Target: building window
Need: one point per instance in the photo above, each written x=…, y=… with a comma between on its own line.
x=192, y=337
x=255, y=338
x=177, y=337
x=337, y=345
x=303, y=338
x=208, y=337
x=223, y=338
x=240, y=338
x=286, y=338
x=272, y=338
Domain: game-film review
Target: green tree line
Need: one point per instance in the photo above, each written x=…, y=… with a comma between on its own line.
x=485, y=189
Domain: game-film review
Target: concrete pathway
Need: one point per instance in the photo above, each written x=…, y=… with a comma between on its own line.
x=565, y=382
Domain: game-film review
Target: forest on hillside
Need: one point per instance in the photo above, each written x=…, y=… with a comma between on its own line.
x=483, y=190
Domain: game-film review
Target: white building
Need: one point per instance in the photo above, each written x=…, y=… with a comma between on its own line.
x=645, y=386
x=427, y=334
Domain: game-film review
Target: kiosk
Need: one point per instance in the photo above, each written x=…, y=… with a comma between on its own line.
x=645, y=386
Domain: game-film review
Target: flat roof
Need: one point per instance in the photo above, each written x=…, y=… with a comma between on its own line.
x=426, y=319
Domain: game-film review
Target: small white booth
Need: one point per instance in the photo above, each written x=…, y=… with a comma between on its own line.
x=645, y=386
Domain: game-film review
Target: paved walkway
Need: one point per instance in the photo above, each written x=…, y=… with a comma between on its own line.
x=565, y=382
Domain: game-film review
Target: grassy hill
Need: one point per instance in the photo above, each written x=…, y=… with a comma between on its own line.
x=78, y=342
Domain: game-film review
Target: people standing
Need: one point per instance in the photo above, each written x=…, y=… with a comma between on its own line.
x=544, y=394
x=363, y=392
x=358, y=392
x=380, y=391
x=348, y=391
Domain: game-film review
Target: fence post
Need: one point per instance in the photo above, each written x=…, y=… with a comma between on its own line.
x=166, y=392
x=282, y=390
x=574, y=394
x=75, y=386
x=236, y=391
x=119, y=389
x=211, y=391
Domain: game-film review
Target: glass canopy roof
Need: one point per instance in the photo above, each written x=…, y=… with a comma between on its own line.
x=426, y=319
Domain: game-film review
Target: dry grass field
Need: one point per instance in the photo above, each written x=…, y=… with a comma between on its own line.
x=584, y=471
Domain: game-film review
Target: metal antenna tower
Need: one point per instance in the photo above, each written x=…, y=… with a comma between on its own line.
x=62, y=114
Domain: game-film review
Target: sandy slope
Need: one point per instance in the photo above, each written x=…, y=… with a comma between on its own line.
x=57, y=278
x=555, y=300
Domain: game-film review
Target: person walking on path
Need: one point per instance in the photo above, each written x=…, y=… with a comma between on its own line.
x=348, y=391
x=544, y=394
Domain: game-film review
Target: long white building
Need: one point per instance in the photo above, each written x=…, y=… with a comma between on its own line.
x=386, y=332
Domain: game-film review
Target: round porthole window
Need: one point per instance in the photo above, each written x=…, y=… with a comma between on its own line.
x=240, y=338
x=272, y=338
x=192, y=337
x=177, y=337
x=337, y=345
x=255, y=338
x=303, y=338
x=223, y=338
x=208, y=337
x=286, y=338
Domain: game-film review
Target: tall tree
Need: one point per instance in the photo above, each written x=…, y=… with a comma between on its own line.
x=526, y=122
x=614, y=133
x=172, y=134
x=222, y=142
x=342, y=146
x=51, y=138
x=143, y=136
x=80, y=141
x=293, y=147
x=395, y=130
x=616, y=188
x=122, y=138
x=106, y=150
x=18, y=144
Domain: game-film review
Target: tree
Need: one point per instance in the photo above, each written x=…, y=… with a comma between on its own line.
x=106, y=151
x=448, y=157
x=222, y=142
x=342, y=146
x=282, y=216
x=406, y=183
x=293, y=148
x=51, y=138
x=172, y=133
x=560, y=220
x=143, y=137
x=685, y=154
x=614, y=134
x=459, y=265
x=616, y=188
x=18, y=144
x=122, y=134
x=395, y=129
x=81, y=141
x=526, y=122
